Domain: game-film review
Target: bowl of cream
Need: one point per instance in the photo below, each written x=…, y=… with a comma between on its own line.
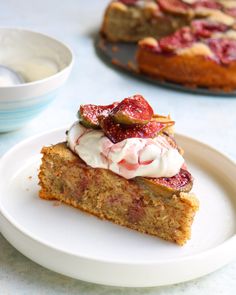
x=33, y=67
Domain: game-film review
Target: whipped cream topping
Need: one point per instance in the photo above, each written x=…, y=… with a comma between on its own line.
x=147, y=157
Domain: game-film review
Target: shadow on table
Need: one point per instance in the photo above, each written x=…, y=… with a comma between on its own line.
x=19, y=273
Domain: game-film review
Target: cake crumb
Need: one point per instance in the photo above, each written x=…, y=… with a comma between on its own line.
x=132, y=66
x=115, y=48
x=57, y=203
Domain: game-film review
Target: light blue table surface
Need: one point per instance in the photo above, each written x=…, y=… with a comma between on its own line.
x=206, y=118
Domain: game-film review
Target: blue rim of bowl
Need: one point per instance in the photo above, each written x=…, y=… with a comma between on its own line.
x=47, y=78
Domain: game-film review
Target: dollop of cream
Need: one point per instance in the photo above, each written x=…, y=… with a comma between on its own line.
x=147, y=157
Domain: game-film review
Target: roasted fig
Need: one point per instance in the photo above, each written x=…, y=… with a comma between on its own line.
x=212, y=4
x=88, y=114
x=224, y=49
x=205, y=28
x=117, y=132
x=167, y=186
x=181, y=39
x=174, y=6
x=133, y=110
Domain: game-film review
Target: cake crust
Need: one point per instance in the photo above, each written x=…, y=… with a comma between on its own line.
x=65, y=177
x=193, y=70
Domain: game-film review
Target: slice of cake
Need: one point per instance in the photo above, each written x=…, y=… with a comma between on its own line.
x=132, y=20
x=203, y=54
x=121, y=163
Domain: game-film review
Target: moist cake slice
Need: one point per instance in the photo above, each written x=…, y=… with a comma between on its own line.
x=121, y=163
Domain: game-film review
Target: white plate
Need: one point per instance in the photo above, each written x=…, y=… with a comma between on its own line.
x=76, y=244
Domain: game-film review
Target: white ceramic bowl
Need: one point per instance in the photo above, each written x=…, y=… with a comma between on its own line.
x=20, y=103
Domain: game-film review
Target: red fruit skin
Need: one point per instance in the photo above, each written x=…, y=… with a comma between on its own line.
x=89, y=113
x=231, y=11
x=136, y=211
x=224, y=50
x=117, y=132
x=181, y=39
x=129, y=2
x=204, y=28
x=176, y=182
x=133, y=110
x=207, y=3
x=174, y=6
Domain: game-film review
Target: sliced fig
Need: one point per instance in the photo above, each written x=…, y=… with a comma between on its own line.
x=167, y=186
x=117, y=132
x=231, y=11
x=205, y=28
x=129, y=2
x=133, y=110
x=174, y=6
x=212, y=4
x=88, y=114
x=180, y=39
x=224, y=49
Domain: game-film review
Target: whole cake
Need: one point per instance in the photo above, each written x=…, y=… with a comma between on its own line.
x=190, y=42
x=203, y=54
x=121, y=163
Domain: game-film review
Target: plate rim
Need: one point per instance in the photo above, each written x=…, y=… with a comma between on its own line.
x=218, y=249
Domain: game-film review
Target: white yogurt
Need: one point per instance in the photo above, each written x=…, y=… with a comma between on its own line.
x=31, y=55
x=129, y=158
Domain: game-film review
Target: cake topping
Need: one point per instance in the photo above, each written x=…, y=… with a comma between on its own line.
x=219, y=16
x=230, y=34
x=174, y=6
x=224, y=49
x=177, y=181
x=204, y=28
x=89, y=113
x=133, y=110
x=228, y=3
x=180, y=39
x=133, y=146
x=187, y=6
x=132, y=117
x=212, y=39
x=197, y=48
x=132, y=157
x=231, y=11
x=212, y=4
x=117, y=132
x=129, y=2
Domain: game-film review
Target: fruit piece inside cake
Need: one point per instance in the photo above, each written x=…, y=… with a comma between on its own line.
x=133, y=20
x=121, y=163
